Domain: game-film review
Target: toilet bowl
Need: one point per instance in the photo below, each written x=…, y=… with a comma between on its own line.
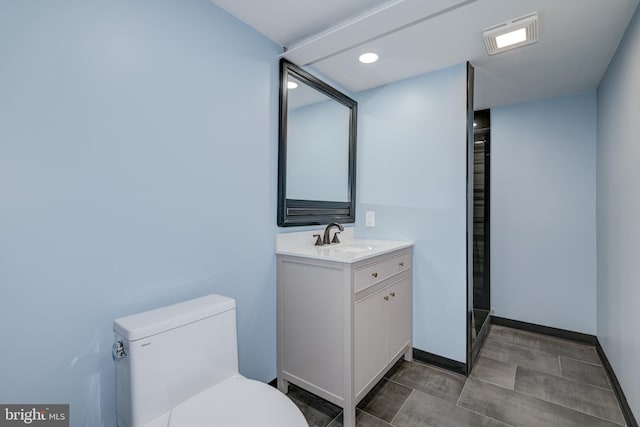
x=238, y=402
x=177, y=366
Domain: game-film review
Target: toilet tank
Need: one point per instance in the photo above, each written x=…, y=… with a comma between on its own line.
x=167, y=355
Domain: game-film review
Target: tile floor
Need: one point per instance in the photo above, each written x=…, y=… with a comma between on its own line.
x=520, y=379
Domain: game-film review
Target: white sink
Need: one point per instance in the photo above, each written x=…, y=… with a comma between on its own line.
x=352, y=248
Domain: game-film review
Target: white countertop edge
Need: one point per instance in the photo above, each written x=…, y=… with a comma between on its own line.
x=300, y=244
x=356, y=257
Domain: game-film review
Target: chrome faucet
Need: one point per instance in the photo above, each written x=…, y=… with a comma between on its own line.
x=327, y=231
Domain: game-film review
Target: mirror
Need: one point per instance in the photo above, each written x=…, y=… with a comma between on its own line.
x=317, y=151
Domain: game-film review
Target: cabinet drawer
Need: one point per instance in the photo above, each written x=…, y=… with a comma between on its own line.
x=375, y=273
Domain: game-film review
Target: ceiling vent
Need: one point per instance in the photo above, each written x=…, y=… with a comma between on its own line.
x=511, y=34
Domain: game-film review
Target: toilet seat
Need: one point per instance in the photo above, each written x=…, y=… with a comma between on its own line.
x=238, y=402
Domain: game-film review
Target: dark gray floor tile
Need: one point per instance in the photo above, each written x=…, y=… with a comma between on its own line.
x=314, y=417
x=520, y=379
x=584, y=372
x=575, y=395
x=433, y=381
x=584, y=352
x=318, y=412
x=422, y=410
x=385, y=399
x=495, y=372
x=524, y=356
x=395, y=368
x=362, y=420
x=518, y=409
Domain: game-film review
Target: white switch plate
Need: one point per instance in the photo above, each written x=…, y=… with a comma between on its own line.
x=370, y=218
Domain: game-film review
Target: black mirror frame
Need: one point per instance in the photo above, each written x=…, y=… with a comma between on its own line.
x=295, y=212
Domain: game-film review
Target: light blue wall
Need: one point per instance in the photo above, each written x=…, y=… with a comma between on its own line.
x=543, y=243
x=412, y=173
x=619, y=213
x=138, y=144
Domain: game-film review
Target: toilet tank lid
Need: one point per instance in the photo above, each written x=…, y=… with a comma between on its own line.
x=152, y=322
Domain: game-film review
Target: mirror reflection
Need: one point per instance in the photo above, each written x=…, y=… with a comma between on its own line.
x=317, y=145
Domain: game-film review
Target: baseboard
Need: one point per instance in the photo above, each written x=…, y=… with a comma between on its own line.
x=582, y=338
x=440, y=361
x=545, y=330
x=624, y=405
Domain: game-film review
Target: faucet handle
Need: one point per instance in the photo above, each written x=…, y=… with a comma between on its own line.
x=318, y=240
x=335, y=238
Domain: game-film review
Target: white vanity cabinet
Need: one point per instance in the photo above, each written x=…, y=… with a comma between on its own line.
x=343, y=324
x=382, y=330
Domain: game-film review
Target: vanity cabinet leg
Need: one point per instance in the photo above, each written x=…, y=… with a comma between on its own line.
x=283, y=385
x=349, y=417
x=408, y=355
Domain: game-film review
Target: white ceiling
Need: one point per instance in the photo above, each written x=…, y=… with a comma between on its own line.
x=577, y=40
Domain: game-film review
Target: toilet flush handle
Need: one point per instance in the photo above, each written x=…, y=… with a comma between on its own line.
x=118, y=351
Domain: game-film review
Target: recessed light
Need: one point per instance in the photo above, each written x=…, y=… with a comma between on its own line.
x=291, y=85
x=511, y=34
x=368, y=58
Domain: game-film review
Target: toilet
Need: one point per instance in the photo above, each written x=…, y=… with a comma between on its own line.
x=177, y=366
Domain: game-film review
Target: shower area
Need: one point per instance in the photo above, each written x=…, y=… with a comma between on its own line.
x=481, y=274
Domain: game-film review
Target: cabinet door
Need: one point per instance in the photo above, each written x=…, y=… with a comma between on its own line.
x=399, y=312
x=370, y=337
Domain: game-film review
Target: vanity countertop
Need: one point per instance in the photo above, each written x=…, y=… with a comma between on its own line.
x=350, y=250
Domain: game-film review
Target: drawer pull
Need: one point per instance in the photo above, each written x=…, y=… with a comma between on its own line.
x=401, y=264
x=386, y=297
x=393, y=294
x=374, y=274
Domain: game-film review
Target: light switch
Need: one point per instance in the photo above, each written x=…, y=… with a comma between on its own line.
x=370, y=218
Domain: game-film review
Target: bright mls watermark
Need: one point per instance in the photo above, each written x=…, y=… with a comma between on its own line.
x=34, y=415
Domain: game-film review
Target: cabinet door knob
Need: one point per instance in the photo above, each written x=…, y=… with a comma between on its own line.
x=393, y=294
x=386, y=297
x=401, y=263
x=374, y=274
